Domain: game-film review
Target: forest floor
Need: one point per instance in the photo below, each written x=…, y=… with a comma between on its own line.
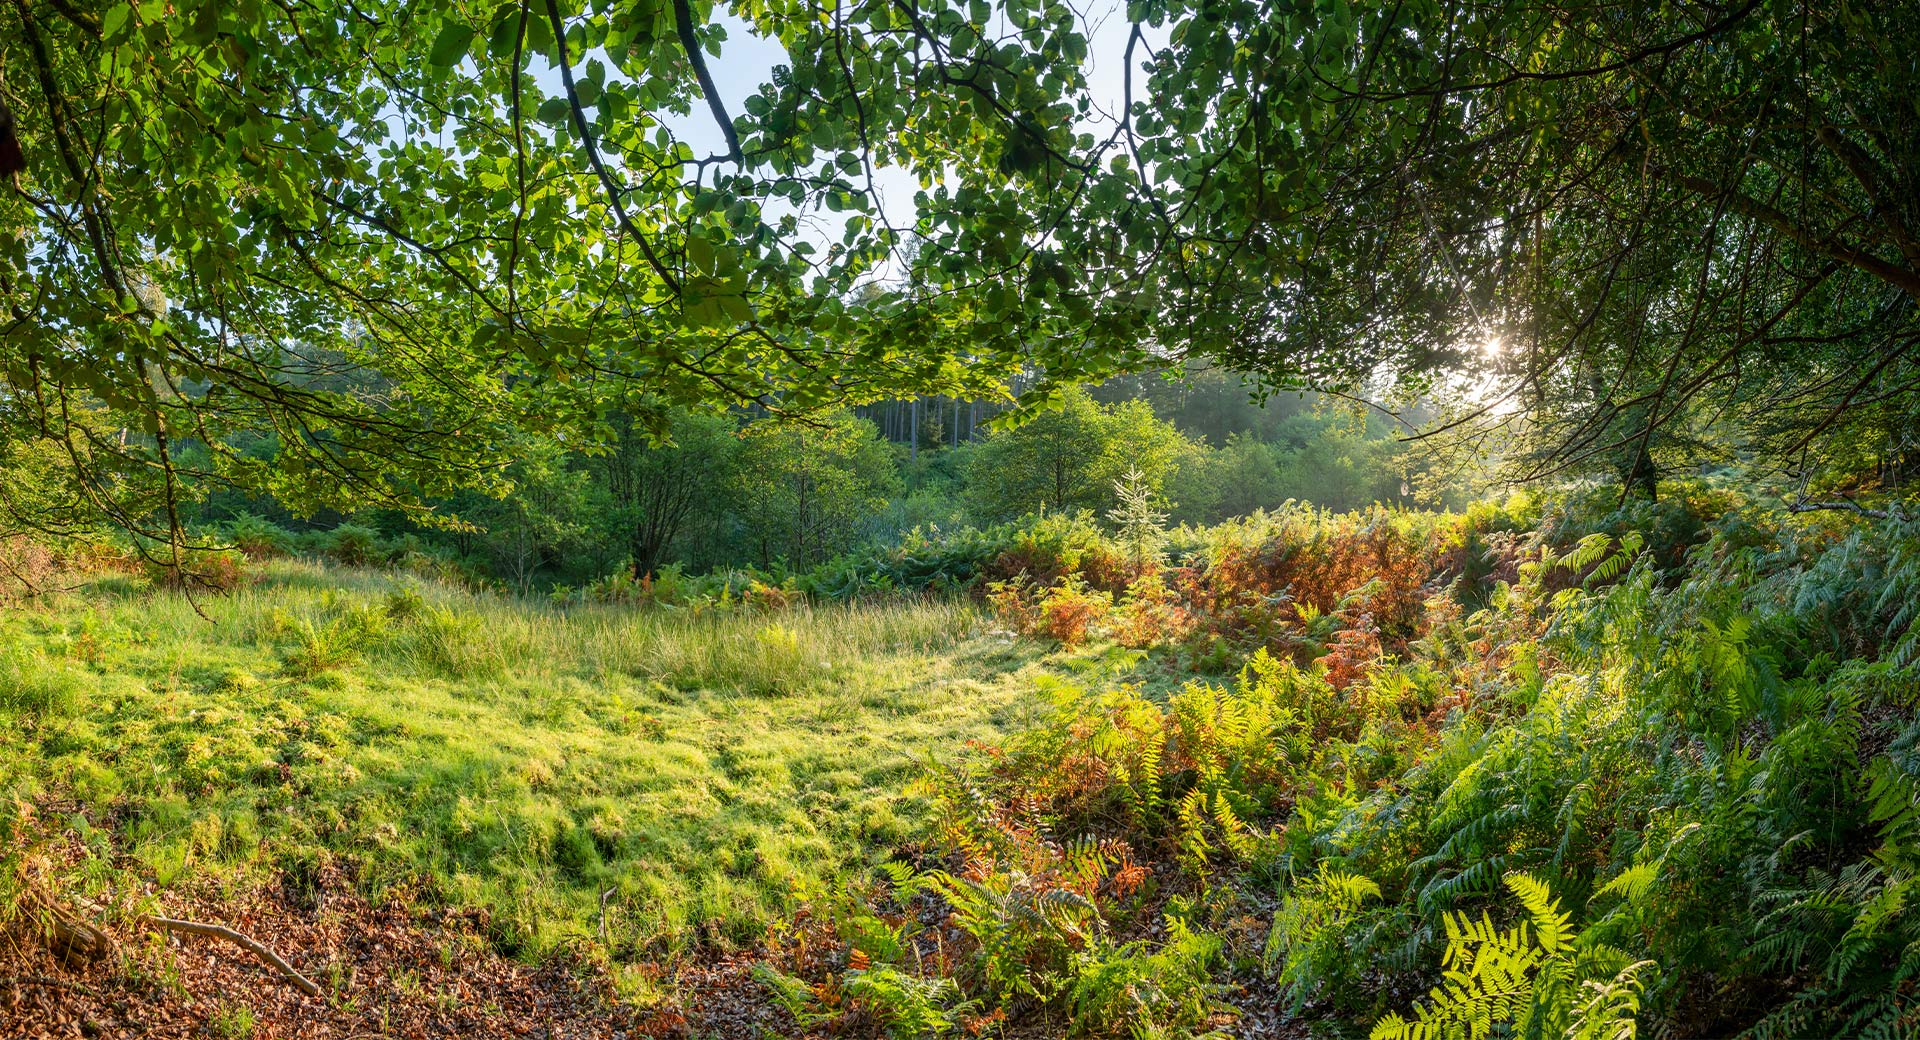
x=416, y=794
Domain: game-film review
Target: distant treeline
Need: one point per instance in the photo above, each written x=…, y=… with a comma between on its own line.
x=707, y=491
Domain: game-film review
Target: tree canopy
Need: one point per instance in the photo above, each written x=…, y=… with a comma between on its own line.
x=386, y=232
x=1628, y=212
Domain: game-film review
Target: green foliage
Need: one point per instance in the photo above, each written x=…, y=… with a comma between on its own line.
x=656, y=492
x=1520, y=242
x=257, y=536
x=1150, y=993
x=802, y=490
x=231, y=1021
x=355, y=545
x=1140, y=527
x=908, y=1005
x=1025, y=927
x=1072, y=456
x=434, y=226
x=507, y=243
x=1703, y=747
x=1309, y=940
x=320, y=646
x=1536, y=979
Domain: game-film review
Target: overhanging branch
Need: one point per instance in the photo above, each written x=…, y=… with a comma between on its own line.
x=683, y=22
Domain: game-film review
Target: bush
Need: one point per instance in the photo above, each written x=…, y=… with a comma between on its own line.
x=201, y=570
x=354, y=545
x=1069, y=611
x=27, y=567
x=323, y=646
x=258, y=537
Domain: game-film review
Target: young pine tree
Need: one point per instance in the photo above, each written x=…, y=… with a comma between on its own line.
x=1142, y=528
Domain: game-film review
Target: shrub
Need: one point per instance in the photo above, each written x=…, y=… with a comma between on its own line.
x=336, y=643
x=437, y=566
x=258, y=537
x=1152, y=614
x=759, y=595
x=1066, y=612
x=1069, y=611
x=207, y=570
x=27, y=567
x=404, y=603
x=354, y=545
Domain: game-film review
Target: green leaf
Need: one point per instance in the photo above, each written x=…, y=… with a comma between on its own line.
x=451, y=45
x=115, y=20
x=506, y=31
x=700, y=253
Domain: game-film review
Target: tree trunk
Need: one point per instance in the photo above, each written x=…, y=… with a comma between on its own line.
x=1644, y=477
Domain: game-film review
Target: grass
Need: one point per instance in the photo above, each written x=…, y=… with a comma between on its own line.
x=507, y=754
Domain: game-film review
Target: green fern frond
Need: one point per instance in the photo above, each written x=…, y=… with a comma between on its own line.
x=1552, y=926
x=1536, y=978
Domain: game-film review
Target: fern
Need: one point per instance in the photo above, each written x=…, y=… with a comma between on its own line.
x=793, y=994
x=1534, y=979
x=908, y=1005
x=1309, y=939
x=1167, y=992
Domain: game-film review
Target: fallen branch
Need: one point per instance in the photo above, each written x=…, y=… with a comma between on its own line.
x=305, y=985
x=1848, y=507
x=71, y=939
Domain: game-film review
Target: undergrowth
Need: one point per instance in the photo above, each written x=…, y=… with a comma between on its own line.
x=1522, y=771
x=1575, y=789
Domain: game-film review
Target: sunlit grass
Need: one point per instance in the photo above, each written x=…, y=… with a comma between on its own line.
x=516, y=756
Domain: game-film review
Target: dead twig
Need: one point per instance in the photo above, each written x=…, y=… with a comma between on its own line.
x=604, y=896
x=68, y=937
x=74, y=939
x=304, y=984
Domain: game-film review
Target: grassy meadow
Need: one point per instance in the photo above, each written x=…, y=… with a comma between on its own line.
x=525, y=758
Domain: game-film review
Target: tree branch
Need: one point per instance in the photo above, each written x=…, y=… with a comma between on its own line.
x=614, y=191
x=1848, y=506
x=683, y=21
x=304, y=984
x=1905, y=280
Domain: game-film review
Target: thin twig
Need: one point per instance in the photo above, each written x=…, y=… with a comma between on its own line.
x=604, y=896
